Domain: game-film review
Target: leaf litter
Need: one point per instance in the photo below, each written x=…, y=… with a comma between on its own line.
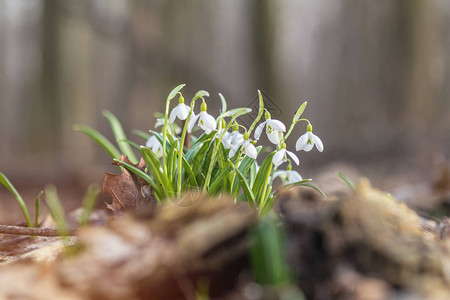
x=353, y=245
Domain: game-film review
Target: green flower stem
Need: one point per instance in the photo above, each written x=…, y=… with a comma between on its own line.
x=233, y=177
x=180, y=152
x=260, y=113
x=166, y=116
x=292, y=127
x=183, y=137
x=213, y=159
x=263, y=195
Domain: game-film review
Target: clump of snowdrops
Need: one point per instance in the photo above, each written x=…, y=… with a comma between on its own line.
x=218, y=155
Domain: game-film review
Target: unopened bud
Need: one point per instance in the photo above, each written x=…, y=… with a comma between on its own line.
x=203, y=106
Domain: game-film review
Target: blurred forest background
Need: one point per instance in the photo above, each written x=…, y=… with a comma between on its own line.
x=376, y=75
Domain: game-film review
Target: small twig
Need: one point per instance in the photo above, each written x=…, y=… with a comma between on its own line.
x=19, y=230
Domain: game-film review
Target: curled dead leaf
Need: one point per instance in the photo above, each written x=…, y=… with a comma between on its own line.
x=129, y=191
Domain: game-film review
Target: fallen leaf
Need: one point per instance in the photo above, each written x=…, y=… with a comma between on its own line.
x=129, y=191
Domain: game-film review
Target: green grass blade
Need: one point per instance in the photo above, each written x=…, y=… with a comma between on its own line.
x=144, y=135
x=347, y=180
x=316, y=188
x=200, y=94
x=174, y=92
x=37, y=204
x=268, y=253
x=99, y=139
x=245, y=186
x=304, y=182
x=216, y=184
x=169, y=142
x=153, y=166
x=5, y=181
x=200, y=157
x=189, y=173
x=56, y=209
x=120, y=136
x=224, y=103
x=262, y=176
x=132, y=144
x=171, y=162
x=89, y=201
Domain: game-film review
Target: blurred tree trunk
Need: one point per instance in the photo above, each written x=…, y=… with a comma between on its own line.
x=420, y=85
x=45, y=134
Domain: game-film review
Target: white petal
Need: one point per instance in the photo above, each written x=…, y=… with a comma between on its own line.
x=233, y=150
x=150, y=142
x=318, y=142
x=155, y=148
x=236, y=137
x=192, y=121
x=274, y=137
x=301, y=142
x=276, y=124
x=293, y=156
x=239, y=139
x=294, y=177
x=173, y=114
x=183, y=111
x=226, y=135
x=281, y=174
x=207, y=122
x=159, y=122
x=250, y=150
x=259, y=130
x=278, y=158
x=308, y=147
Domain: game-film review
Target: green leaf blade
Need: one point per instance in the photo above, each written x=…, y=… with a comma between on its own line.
x=99, y=139
x=120, y=136
x=10, y=187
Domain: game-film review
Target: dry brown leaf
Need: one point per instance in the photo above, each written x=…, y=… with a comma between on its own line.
x=129, y=191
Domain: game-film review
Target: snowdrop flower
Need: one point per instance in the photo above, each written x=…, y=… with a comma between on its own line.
x=226, y=136
x=159, y=122
x=205, y=120
x=281, y=156
x=248, y=148
x=154, y=144
x=307, y=141
x=233, y=138
x=181, y=111
x=288, y=176
x=274, y=129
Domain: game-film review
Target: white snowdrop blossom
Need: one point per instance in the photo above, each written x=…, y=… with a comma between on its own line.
x=288, y=176
x=247, y=147
x=307, y=141
x=154, y=144
x=225, y=137
x=181, y=111
x=281, y=156
x=205, y=120
x=233, y=139
x=159, y=122
x=274, y=129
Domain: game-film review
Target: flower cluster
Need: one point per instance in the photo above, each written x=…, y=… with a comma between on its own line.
x=222, y=157
x=227, y=150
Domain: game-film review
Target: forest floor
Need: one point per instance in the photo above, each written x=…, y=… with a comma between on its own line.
x=368, y=243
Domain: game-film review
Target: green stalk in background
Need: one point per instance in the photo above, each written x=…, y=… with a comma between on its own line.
x=4, y=180
x=56, y=209
x=172, y=95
